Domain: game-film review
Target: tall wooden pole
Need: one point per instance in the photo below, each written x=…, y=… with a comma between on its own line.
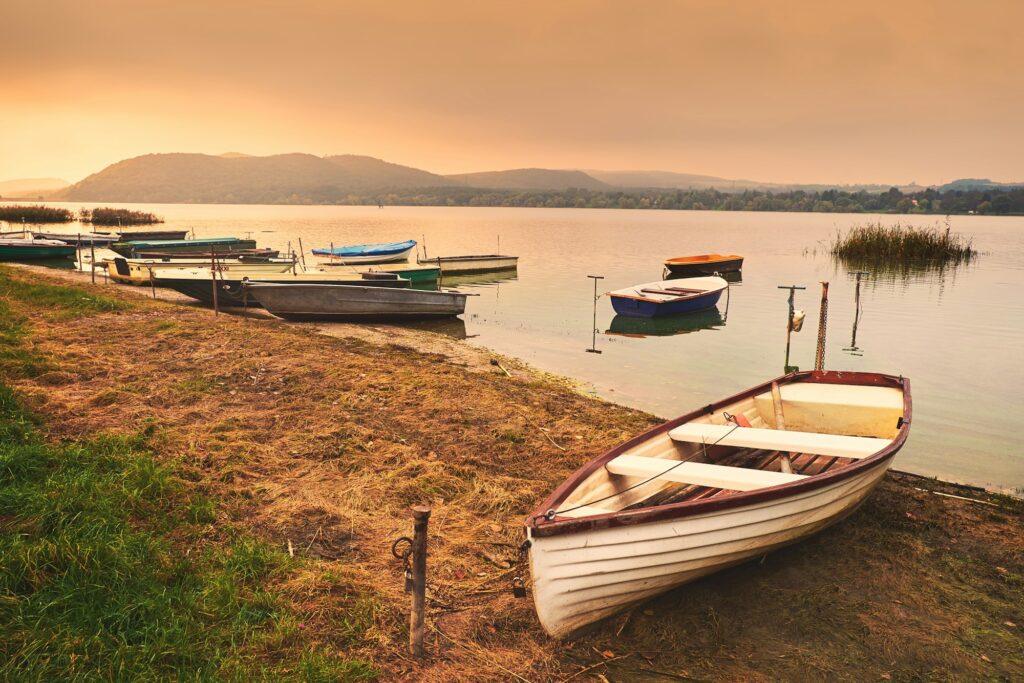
x=593, y=325
x=789, y=321
x=819, y=358
x=92, y=257
x=213, y=278
x=417, y=618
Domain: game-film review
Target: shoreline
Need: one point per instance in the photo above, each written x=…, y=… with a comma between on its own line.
x=321, y=443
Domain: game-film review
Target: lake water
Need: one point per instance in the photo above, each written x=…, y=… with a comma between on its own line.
x=957, y=334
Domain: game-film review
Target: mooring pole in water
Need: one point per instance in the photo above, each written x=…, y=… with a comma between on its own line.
x=92, y=257
x=819, y=358
x=213, y=278
x=417, y=618
x=789, y=320
x=856, y=313
x=302, y=252
x=593, y=326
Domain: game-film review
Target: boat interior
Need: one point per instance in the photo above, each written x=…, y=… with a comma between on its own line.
x=786, y=434
x=703, y=258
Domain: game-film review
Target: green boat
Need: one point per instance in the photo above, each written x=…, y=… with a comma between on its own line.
x=220, y=245
x=23, y=249
x=417, y=275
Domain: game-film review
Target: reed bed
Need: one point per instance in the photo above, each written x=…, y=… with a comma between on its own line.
x=111, y=216
x=20, y=213
x=899, y=243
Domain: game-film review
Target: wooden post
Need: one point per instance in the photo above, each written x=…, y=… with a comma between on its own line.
x=92, y=258
x=302, y=252
x=819, y=358
x=152, y=281
x=789, y=321
x=593, y=327
x=417, y=618
x=213, y=277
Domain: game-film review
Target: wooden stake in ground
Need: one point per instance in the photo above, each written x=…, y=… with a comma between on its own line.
x=213, y=277
x=417, y=618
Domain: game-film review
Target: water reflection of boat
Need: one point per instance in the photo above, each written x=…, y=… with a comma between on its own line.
x=489, y=278
x=629, y=326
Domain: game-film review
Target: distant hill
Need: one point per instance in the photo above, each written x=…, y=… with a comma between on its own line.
x=967, y=184
x=669, y=180
x=278, y=179
x=530, y=179
x=30, y=187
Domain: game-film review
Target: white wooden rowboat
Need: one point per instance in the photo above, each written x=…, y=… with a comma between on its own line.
x=713, y=488
x=482, y=263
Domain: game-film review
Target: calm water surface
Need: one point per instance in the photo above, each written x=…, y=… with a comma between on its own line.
x=957, y=335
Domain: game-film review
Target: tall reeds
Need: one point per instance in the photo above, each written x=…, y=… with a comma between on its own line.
x=111, y=216
x=902, y=244
x=20, y=213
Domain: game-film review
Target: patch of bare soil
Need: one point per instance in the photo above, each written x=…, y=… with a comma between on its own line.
x=322, y=443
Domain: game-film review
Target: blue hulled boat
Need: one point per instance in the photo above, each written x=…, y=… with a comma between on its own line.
x=668, y=297
x=370, y=253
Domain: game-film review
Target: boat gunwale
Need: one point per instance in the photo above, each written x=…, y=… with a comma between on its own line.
x=468, y=257
x=538, y=525
x=702, y=259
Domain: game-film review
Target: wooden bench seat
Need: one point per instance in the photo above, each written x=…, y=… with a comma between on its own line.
x=698, y=473
x=779, y=440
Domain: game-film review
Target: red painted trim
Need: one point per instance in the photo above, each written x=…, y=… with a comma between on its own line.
x=539, y=526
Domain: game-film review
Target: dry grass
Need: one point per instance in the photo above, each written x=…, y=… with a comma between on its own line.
x=324, y=443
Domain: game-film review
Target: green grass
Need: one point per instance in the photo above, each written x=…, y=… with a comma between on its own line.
x=21, y=213
x=93, y=586
x=63, y=300
x=900, y=243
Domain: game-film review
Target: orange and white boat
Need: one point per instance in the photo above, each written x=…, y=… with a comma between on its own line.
x=703, y=264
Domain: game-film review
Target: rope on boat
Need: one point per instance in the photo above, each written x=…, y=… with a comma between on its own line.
x=550, y=514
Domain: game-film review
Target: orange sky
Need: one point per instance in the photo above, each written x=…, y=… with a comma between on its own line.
x=889, y=91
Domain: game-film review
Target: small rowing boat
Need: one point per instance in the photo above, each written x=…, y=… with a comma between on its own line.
x=347, y=302
x=135, y=271
x=718, y=486
x=668, y=297
x=464, y=265
x=370, y=253
x=206, y=245
x=82, y=239
x=25, y=249
x=703, y=264
x=198, y=282
x=417, y=274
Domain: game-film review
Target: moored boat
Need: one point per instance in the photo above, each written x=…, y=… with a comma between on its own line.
x=206, y=245
x=718, y=486
x=143, y=235
x=24, y=249
x=198, y=282
x=386, y=252
x=668, y=297
x=135, y=271
x=482, y=263
x=703, y=264
x=417, y=274
x=83, y=239
x=347, y=302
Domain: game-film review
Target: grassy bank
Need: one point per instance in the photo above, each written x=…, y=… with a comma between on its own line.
x=899, y=244
x=19, y=213
x=255, y=434
x=118, y=217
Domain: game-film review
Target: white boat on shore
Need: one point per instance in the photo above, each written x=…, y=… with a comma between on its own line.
x=483, y=263
x=352, y=302
x=716, y=487
x=136, y=271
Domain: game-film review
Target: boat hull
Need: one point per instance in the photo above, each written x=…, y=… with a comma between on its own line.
x=695, y=268
x=370, y=258
x=230, y=292
x=463, y=265
x=79, y=239
x=644, y=308
x=200, y=246
x=581, y=578
x=138, y=273
x=333, y=302
x=35, y=252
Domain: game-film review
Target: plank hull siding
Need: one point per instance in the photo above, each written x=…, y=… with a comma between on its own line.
x=581, y=578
